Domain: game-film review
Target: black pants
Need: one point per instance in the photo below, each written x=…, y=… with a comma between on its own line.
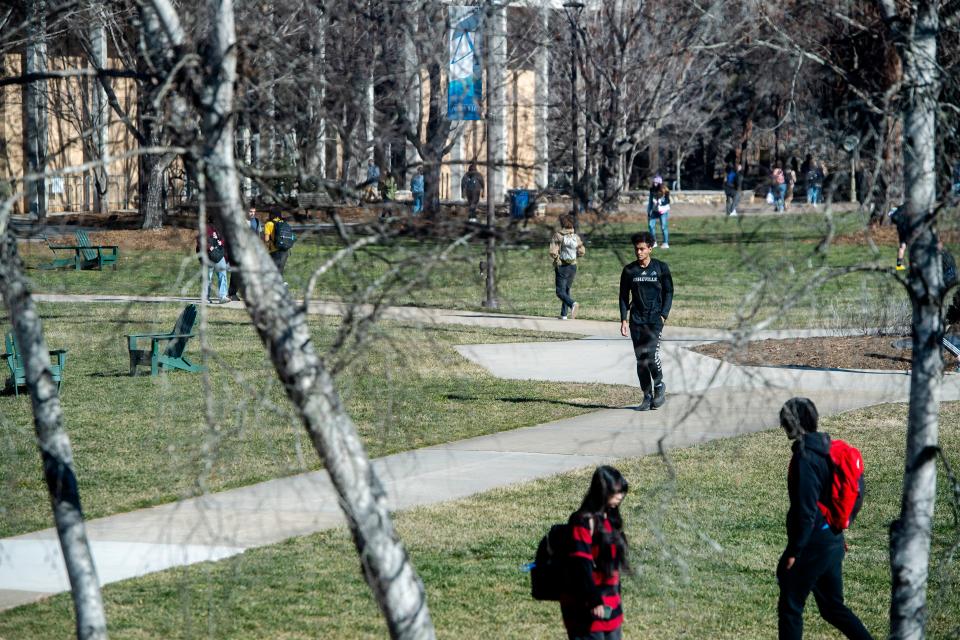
x=473, y=199
x=646, y=347
x=565, y=274
x=819, y=569
x=280, y=259
x=577, y=621
x=236, y=285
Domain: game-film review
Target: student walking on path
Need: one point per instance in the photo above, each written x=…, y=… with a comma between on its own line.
x=658, y=210
x=417, y=190
x=790, y=178
x=778, y=185
x=565, y=247
x=732, y=185
x=216, y=254
x=816, y=174
x=279, y=237
x=646, y=295
x=813, y=558
x=593, y=610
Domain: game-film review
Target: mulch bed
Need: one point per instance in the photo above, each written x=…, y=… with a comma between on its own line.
x=886, y=235
x=853, y=352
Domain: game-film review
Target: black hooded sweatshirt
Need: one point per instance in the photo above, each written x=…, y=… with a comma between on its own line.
x=808, y=480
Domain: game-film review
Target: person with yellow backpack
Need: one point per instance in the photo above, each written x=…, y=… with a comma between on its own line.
x=280, y=238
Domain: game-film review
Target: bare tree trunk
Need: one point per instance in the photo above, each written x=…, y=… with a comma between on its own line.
x=316, y=156
x=35, y=110
x=411, y=98
x=98, y=109
x=54, y=444
x=910, y=534
x=150, y=167
x=437, y=129
x=151, y=189
x=282, y=326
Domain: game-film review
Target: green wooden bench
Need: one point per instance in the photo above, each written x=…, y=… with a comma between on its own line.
x=58, y=360
x=168, y=357
x=85, y=255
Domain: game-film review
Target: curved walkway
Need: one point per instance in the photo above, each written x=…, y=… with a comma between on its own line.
x=706, y=401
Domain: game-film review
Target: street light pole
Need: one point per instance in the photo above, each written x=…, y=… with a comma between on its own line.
x=490, y=301
x=571, y=8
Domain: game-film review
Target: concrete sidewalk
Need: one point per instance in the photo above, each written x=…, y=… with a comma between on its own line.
x=706, y=401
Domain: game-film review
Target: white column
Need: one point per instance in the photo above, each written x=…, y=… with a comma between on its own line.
x=456, y=165
x=541, y=174
x=369, y=124
x=497, y=98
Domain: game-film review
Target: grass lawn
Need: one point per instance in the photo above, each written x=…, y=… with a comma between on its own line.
x=716, y=262
x=704, y=548
x=142, y=441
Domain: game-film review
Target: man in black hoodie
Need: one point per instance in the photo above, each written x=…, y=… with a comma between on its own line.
x=646, y=295
x=813, y=559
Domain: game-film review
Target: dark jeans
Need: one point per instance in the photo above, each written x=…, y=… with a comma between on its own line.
x=732, y=202
x=473, y=200
x=819, y=569
x=646, y=347
x=279, y=258
x=236, y=284
x=565, y=275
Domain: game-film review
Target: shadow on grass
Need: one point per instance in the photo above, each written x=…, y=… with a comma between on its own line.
x=519, y=400
x=117, y=374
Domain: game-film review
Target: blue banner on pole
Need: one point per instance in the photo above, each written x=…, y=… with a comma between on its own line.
x=465, y=86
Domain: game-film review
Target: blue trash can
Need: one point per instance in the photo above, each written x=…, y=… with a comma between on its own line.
x=519, y=199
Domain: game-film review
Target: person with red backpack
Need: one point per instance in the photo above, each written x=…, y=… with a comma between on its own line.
x=592, y=610
x=825, y=486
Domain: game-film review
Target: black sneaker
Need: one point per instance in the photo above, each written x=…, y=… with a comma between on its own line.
x=659, y=395
x=646, y=404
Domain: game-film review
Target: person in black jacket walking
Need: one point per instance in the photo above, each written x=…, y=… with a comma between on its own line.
x=732, y=185
x=646, y=295
x=813, y=558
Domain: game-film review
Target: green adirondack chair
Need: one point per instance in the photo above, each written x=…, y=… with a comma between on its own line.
x=85, y=255
x=166, y=349
x=58, y=360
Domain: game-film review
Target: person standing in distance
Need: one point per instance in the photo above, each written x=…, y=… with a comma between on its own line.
x=593, y=610
x=646, y=295
x=472, y=186
x=417, y=188
x=813, y=558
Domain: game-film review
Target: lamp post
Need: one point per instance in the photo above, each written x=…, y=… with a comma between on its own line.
x=573, y=10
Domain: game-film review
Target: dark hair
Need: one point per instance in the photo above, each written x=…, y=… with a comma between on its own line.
x=606, y=482
x=642, y=236
x=799, y=416
x=565, y=221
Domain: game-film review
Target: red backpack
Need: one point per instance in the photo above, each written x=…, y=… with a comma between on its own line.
x=847, y=485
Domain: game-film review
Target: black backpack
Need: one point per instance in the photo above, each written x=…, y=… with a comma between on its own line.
x=283, y=235
x=550, y=574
